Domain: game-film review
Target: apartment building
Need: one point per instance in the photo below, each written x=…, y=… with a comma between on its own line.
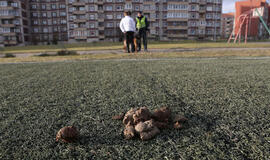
x=14, y=23
x=48, y=21
x=227, y=24
x=183, y=19
x=75, y=21
x=255, y=27
x=97, y=20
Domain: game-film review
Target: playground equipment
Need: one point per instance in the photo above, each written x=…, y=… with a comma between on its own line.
x=244, y=22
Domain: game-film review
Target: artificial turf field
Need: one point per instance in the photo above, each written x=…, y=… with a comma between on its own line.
x=226, y=102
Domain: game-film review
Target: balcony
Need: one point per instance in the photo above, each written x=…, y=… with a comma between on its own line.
x=100, y=11
x=202, y=10
x=80, y=29
x=100, y=2
x=101, y=36
x=100, y=19
x=9, y=34
x=79, y=12
x=176, y=27
x=79, y=20
x=78, y=4
x=177, y=35
x=10, y=42
x=8, y=8
x=101, y=28
x=7, y=16
x=152, y=19
x=8, y=25
x=80, y=37
x=177, y=19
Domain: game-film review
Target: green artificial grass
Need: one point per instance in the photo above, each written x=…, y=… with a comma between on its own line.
x=226, y=102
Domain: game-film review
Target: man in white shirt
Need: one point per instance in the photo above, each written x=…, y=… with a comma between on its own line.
x=127, y=26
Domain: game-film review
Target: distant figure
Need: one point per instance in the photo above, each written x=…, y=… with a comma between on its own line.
x=142, y=27
x=127, y=26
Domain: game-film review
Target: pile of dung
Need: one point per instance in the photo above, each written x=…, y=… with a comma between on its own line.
x=145, y=124
x=67, y=134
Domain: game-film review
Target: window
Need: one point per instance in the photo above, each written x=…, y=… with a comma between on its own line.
x=45, y=30
x=109, y=16
x=91, y=25
x=36, y=30
x=108, y=8
x=62, y=6
x=53, y=6
x=109, y=24
x=128, y=6
x=3, y=3
x=43, y=6
x=63, y=14
x=91, y=8
x=92, y=16
x=54, y=14
x=44, y=22
x=119, y=8
x=34, y=6
x=44, y=14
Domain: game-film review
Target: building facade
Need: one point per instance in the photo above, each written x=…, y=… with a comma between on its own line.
x=255, y=27
x=14, y=22
x=227, y=24
x=74, y=21
x=48, y=20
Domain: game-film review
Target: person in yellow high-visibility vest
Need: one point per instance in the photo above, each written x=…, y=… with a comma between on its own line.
x=142, y=27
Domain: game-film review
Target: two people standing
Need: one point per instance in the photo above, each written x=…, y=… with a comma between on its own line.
x=129, y=27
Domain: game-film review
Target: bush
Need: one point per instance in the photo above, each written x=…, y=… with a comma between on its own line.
x=9, y=55
x=66, y=53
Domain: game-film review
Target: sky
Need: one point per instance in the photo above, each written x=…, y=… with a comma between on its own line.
x=228, y=5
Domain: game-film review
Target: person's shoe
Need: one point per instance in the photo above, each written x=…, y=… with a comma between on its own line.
x=145, y=50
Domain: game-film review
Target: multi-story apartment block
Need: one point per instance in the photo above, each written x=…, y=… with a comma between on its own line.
x=14, y=22
x=48, y=21
x=96, y=20
x=204, y=19
x=227, y=24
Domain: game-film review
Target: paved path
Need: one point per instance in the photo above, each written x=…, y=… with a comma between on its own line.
x=151, y=59
x=150, y=50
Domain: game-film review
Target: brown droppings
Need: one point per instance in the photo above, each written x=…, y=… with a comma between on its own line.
x=129, y=131
x=180, y=118
x=162, y=115
x=161, y=125
x=144, y=126
x=140, y=121
x=128, y=118
x=149, y=134
x=141, y=115
x=177, y=125
x=118, y=117
x=67, y=134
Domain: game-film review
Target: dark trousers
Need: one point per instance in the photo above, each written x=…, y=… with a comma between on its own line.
x=129, y=36
x=142, y=35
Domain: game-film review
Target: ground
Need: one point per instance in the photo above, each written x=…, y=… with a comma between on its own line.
x=117, y=45
x=225, y=99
